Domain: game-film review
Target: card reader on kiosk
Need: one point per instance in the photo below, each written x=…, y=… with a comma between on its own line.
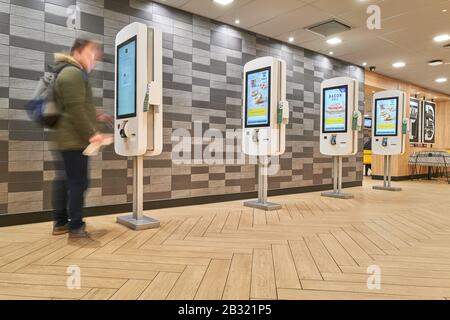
x=138, y=126
x=340, y=121
x=265, y=115
x=389, y=130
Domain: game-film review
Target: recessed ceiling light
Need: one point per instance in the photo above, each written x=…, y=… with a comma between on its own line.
x=364, y=64
x=334, y=41
x=444, y=10
x=435, y=63
x=441, y=38
x=237, y=21
x=291, y=39
x=331, y=53
x=223, y=2
x=441, y=80
x=399, y=64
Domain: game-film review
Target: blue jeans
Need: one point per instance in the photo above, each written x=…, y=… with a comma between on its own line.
x=68, y=197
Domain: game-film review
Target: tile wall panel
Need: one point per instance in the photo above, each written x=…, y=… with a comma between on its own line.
x=203, y=62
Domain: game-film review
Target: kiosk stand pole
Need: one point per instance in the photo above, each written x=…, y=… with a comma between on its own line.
x=340, y=174
x=387, y=176
x=337, y=181
x=262, y=203
x=335, y=174
x=138, y=186
x=137, y=220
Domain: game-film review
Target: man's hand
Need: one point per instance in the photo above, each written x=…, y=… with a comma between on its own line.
x=104, y=117
x=97, y=138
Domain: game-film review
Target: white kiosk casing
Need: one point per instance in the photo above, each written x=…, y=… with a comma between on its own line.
x=388, y=133
x=265, y=111
x=338, y=110
x=138, y=126
x=340, y=121
x=138, y=72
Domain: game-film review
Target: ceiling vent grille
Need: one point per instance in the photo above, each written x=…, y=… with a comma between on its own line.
x=329, y=28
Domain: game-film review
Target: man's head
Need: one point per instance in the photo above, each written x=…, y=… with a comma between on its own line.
x=87, y=53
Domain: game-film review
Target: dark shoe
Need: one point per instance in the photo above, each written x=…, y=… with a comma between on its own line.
x=78, y=233
x=58, y=230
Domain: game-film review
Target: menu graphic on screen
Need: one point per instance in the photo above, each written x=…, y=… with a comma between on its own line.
x=386, y=112
x=257, y=102
x=335, y=109
x=126, y=79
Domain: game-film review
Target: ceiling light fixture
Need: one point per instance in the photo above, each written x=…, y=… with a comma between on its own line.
x=441, y=80
x=334, y=41
x=444, y=10
x=435, y=63
x=331, y=53
x=291, y=39
x=364, y=64
x=399, y=64
x=223, y=2
x=237, y=21
x=441, y=38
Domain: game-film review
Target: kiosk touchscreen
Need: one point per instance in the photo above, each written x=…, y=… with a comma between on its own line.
x=388, y=136
x=339, y=107
x=265, y=109
x=367, y=123
x=265, y=113
x=138, y=126
x=138, y=98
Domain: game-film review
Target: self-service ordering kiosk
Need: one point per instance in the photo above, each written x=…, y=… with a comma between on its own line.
x=389, y=130
x=138, y=126
x=265, y=114
x=340, y=121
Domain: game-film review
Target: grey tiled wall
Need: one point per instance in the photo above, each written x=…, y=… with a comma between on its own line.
x=203, y=62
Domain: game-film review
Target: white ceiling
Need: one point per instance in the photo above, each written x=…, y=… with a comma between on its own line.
x=408, y=28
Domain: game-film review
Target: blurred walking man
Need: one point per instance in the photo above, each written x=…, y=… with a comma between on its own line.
x=75, y=130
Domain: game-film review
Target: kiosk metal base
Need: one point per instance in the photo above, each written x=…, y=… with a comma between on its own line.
x=338, y=195
x=387, y=176
x=387, y=188
x=337, y=181
x=138, y=224
x=268, y=206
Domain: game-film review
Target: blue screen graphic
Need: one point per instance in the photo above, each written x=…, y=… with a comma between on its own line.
x=126, y=79
x=258, y=98
x=335, y=109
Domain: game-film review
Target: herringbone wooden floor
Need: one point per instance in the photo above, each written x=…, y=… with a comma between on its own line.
x=314, y=248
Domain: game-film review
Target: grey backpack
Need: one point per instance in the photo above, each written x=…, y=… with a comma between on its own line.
x=43, y=108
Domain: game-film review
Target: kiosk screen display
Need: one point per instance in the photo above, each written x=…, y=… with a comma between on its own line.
x=368, y=123
x=126, y=79
x=386, y=114
x=335, y=104
x=257, y=100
